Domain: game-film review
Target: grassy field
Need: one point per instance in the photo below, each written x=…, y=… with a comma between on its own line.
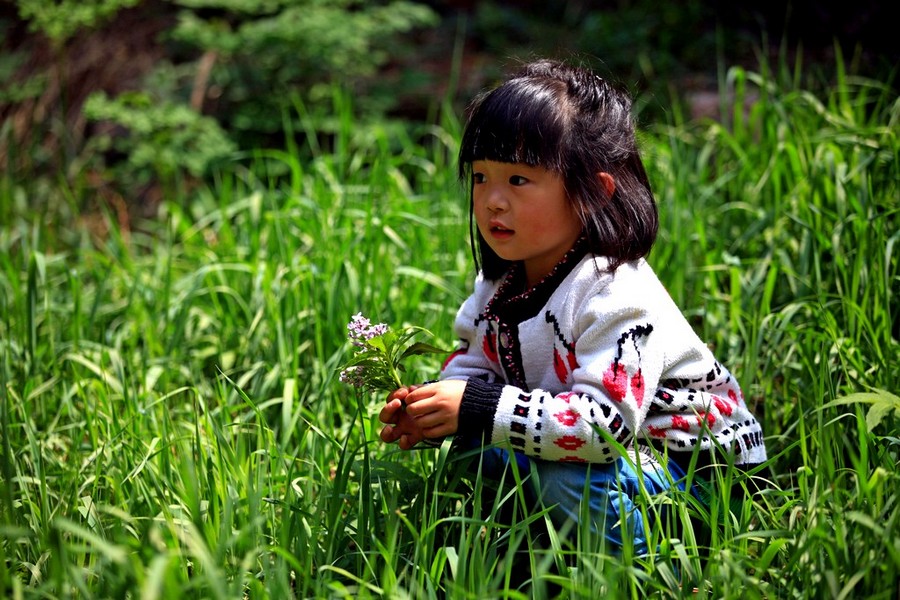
x=172, y=424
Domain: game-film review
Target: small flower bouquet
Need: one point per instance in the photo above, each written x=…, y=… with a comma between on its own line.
x=378, y=361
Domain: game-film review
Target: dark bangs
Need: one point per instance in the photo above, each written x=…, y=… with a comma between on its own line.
x=519, y=122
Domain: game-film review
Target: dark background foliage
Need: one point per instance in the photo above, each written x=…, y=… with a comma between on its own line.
x=129, y=98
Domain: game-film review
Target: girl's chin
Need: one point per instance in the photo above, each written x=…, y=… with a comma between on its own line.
x=506, y=256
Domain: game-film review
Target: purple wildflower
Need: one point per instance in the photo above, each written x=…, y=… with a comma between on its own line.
x=360, y=330
x=375, y=365
x=353, y=376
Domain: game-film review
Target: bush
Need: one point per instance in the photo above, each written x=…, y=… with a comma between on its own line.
x=226, y=75
x=164, y=139
x=269, y=55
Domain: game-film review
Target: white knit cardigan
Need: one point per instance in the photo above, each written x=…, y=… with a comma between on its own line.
x=604, y=356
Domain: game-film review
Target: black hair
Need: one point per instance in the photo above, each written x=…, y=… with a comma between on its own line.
x=568, y=120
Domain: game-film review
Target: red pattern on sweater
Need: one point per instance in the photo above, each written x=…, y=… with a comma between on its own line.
x=568, y=417
x=490, y=346
x=570, y=442
x=560, y=367
x=679, y=422
x=637, y=388
x=722, y=405
x=615, y=380
x=452, y=356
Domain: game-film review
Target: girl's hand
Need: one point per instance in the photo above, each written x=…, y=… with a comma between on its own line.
x=434, y=407
x=401, y=427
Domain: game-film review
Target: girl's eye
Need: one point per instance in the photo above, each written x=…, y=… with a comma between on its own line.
x=517, y=180
x=478, y=177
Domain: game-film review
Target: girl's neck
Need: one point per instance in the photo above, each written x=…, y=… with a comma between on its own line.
x=532, y=278
x=521, y=281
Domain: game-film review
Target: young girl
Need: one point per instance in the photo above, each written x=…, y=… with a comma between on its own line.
x=570, y=347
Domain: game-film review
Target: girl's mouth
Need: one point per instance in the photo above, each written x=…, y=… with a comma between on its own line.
x=500, y=232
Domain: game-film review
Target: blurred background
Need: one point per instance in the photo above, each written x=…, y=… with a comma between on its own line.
x=121, y=98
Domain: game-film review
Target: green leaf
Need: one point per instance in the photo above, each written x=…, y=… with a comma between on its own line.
x=379, y=343
x=422, y=348
x=112, y=551
x=882, y=401
x=877, y=412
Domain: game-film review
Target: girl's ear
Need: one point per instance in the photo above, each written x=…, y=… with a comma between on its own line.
x=607, y=182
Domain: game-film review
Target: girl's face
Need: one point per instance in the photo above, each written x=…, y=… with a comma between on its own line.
x=523, y=214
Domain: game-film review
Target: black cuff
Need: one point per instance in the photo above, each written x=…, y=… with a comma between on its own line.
x=478, y=406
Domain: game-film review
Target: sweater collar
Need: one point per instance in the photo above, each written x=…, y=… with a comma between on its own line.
x=512, y=305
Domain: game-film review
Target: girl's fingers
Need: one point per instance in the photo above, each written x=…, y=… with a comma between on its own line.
x=388, y=434
x=424, y=406
x=417, y=393
x=432, y=419
x=398, y=394
x=437, y=431
x=387, y=415
x=390, y=412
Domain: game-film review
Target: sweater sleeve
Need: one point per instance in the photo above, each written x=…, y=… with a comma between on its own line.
x=615, y=372
x=469, y=360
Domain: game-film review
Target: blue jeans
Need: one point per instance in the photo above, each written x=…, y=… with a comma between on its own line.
x=609, y=490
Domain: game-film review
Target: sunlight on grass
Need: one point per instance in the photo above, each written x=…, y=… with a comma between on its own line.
x=172, y=423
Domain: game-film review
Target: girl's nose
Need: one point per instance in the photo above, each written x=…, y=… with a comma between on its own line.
x=496, y=202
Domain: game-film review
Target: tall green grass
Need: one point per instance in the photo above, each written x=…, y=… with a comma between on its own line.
x=172, y=424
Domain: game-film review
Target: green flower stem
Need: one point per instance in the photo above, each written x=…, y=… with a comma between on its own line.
x=395, y=375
